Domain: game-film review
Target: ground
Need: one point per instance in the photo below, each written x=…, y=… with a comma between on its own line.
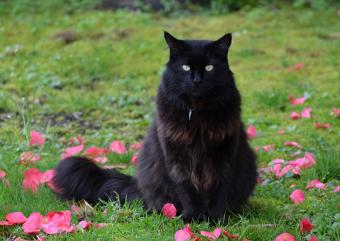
x=95, y=73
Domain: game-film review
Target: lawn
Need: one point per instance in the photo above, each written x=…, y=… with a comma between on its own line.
x=95, y=74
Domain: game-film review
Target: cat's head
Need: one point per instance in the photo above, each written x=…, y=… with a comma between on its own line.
x=198, y=69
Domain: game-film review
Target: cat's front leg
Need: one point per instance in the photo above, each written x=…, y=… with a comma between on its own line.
x=218, y=205
x=190, y=210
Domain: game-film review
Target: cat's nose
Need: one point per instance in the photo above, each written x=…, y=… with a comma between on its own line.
x=197, y=80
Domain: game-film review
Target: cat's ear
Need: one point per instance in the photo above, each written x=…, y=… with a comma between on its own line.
x=174, y=44
x=224, y=42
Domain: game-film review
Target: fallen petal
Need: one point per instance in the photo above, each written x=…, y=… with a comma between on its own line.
x=268, y=148
x=316, y=184
x=285, y=237
x=72, y=151
x=2, y=174
x=294, y=144
x=101, y=225
x=336, y=189
x=28, y=157
x=6, y=224
x=37, y=139
x=184, y=234
x=319, y=125
x=101, y=159
x=47, y=176
x=306, y=113
x=32, y=178
x=84, y=224
x=306, y=225
x=57, y=222
x=169, y=210
x=295, y=116
x=135, y=146
x=299, y=66
x=229, y=235
x=134, y=160
x=117, y=147
x=251, y=132
x=212, y=235
x=32, y=226
x=335, y=112
x=281, y=132
x=16, y=217
x=297, y=101
x=297, y=197
x=94, y=152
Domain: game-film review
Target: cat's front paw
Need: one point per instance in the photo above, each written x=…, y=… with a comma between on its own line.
x=191, y=215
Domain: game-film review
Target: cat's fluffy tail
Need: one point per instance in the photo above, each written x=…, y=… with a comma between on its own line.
x=78, y=178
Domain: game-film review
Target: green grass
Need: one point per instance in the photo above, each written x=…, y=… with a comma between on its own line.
x=108, y=78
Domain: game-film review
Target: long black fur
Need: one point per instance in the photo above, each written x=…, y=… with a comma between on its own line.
x=195, y=155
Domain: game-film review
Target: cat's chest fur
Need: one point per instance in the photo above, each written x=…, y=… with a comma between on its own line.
x=196, y=148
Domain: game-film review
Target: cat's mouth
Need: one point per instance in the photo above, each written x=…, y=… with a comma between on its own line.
x=198, y=103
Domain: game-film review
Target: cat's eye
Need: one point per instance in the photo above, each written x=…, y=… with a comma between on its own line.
x=209, y=67
x=185, y=67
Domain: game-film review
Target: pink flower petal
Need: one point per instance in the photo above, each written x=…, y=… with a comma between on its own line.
x=313, y=238
x=299, y=66
x=297, y=101
x=268, y=148
x=297, y=196
x=316, y=184
x=134, y=160
x=37, y=139
x=28, y=157
x=306, y=112
x=16, y=217
x=281, y=132
x=47, y=176
x=94, y=152
x=295, y=116
x=32, y=178
x=72, y=229
x=251, y=132
x=20, y=239
x=72, y=151
x=6, y=224
x=32, y=226
x=294, y=144
x=135, y=146
x=336, y=189
x=229, y=235
x=335, y=112
x=277, y=161
x=319, y=125
x=101, y=159
x=309, y=160
x=184, y=234
x=169, y=210
x=306, y=225
x=84, y=224
x=117, y=147
x=285, y=237
x=212, y=235
x=101, y=225
x=2, y=174
x=57, y=222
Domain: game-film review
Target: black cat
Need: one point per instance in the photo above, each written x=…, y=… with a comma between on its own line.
x=195, y=154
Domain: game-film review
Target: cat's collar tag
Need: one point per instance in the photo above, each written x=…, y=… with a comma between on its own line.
x=189, y=114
